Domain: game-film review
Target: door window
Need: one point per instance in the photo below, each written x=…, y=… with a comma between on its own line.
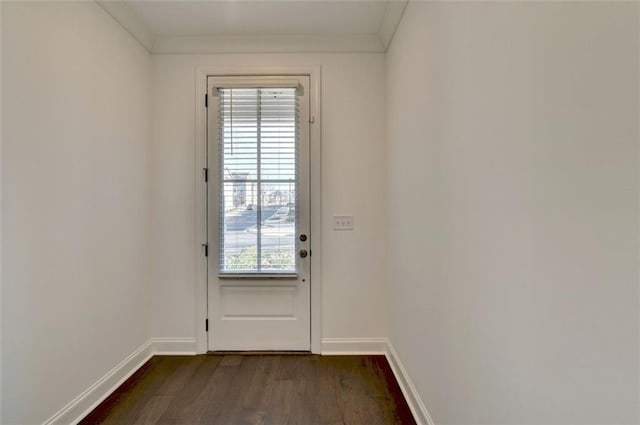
x=257, y=135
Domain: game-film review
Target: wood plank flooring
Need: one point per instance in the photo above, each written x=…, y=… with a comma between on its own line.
x=257, y=389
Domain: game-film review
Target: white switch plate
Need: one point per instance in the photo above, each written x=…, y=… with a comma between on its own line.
x=342, y=222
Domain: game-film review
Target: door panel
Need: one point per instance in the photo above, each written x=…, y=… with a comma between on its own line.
x=258, y=208
x=257, y=301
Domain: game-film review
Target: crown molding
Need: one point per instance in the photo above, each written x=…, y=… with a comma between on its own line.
x=268, y=44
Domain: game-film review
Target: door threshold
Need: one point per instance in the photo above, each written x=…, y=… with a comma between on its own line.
x=259, y=353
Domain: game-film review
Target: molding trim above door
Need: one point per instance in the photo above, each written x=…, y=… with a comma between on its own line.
x=200, y=190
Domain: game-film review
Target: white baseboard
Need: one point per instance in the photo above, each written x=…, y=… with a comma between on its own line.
x=105, y=386
x=353, y=346
x=174, y=346
x=87, y=401
x=419, y=410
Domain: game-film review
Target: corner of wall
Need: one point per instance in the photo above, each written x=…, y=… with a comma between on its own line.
x=95, y=394
x=89, y=399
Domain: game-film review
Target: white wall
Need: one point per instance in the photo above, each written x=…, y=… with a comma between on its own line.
x=354, y=300
x=513, y=210
x=76, y=197
x=0, y=212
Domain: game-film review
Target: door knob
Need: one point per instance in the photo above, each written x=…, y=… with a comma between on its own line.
x=303, y=253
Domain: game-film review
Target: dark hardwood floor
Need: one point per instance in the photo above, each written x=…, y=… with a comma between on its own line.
x=257, y=389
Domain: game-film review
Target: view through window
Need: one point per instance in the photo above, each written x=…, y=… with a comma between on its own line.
x=257, y=160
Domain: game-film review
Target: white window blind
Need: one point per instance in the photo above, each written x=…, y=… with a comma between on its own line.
x=257, y=160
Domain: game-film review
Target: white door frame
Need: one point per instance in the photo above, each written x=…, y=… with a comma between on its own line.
x=200, y=190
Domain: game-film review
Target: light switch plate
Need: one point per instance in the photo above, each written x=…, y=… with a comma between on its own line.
x=342, y=222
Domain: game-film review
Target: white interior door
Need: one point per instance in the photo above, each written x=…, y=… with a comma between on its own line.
x=258, y=220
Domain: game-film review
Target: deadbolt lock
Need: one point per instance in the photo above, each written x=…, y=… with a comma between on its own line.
x=303, y=238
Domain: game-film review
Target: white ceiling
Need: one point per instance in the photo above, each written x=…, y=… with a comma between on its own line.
x=186, y=26
x=260, y=18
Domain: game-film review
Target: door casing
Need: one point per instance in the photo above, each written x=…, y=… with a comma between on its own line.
x=201, y=188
